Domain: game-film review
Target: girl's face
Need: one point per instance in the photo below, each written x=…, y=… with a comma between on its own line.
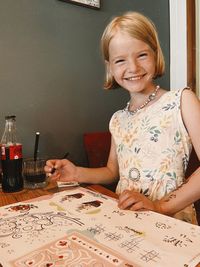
x=131, y=63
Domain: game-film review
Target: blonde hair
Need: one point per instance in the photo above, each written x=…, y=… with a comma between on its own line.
x=137, y=26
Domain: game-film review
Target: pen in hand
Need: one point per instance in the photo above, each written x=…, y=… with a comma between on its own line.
x=64, y=157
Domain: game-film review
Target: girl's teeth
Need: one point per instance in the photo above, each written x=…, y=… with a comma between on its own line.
x=133, y=78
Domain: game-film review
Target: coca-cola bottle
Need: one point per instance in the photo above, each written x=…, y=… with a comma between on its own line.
x=11, y=157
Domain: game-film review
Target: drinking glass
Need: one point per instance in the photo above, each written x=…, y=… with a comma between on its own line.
x=34, y=174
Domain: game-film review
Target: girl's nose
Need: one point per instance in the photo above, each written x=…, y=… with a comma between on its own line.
x=132, y=65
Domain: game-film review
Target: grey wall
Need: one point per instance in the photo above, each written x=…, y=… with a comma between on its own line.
x=51, y=70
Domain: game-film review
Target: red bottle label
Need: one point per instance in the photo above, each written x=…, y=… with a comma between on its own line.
x=11, y=152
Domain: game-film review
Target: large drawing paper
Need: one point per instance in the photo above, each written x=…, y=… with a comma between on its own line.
x=79, y=227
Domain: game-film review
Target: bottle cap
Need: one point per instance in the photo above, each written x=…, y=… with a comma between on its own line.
x=10, y=117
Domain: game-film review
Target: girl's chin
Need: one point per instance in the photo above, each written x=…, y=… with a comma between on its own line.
x=136, y=85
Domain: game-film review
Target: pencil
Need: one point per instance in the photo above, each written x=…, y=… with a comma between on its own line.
x=64, y=157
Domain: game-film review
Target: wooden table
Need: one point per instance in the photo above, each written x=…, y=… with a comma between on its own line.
x=25, y=194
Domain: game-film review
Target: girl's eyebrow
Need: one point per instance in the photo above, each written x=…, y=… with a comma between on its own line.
x=144, y=50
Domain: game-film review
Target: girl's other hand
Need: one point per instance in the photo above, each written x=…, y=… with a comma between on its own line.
x=131, y=200
x=61, y=170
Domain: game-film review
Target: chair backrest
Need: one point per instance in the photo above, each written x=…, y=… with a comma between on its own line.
x=192, y=166
x=193, y=163
x=97, y=147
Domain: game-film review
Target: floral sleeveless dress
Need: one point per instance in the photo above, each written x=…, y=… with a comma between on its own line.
x=153, y=149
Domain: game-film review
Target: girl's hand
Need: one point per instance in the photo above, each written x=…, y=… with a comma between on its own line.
x=61, y=170
x=135, y=201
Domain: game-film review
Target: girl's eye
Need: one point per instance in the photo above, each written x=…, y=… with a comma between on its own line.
x=143, y=55
x=119, y=61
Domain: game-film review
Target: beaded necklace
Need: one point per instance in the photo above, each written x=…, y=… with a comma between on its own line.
x=149, y=99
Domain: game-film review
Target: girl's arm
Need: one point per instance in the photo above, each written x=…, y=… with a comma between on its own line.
x=177, y=200
x=182, y=197
x=103, y=175
x=190, y=109
x=190, y=191
x=65, y=170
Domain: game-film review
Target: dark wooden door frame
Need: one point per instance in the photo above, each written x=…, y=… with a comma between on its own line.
x=191, y=44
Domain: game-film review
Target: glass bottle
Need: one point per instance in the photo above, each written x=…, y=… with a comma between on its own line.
x=11, y=157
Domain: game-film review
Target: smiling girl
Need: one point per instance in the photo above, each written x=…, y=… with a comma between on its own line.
x=153, y=135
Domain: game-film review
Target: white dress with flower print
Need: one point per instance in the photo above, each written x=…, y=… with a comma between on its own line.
x=153, y=149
